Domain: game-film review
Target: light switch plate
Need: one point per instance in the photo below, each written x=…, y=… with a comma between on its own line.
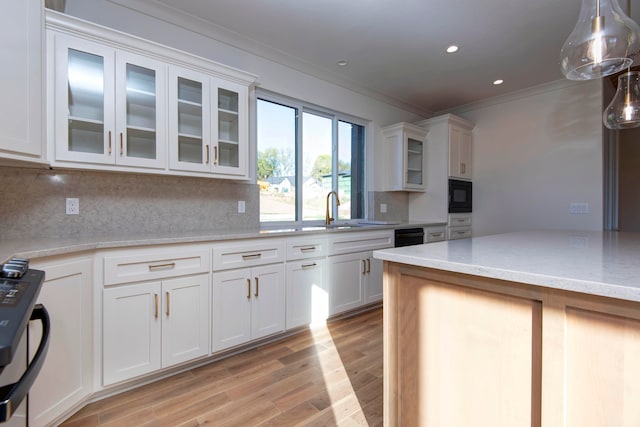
x=241, y=206
x=383, y=208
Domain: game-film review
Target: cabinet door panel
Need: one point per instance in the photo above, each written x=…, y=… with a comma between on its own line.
x=267, y=311
x=84, y=101
x=231, y=308
x=189, y=120
x=373, y=288
x=345, y=282
x=66, y=376
x=307, y=297
x=230, y=128
x=140, y=111
x=21, y=85
x=131, y=331
x=185, y=324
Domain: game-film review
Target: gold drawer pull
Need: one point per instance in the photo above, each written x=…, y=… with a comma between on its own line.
x=312, y=265
x=162, y=266
x=252, y=256
x=308, y=249
x=257, y=288
x=248, y=288
x=168, y=304
x=156, y=298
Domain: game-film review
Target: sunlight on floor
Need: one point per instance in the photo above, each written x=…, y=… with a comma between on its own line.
x=344, y=401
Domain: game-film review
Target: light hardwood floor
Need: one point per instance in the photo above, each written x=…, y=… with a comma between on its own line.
x=330, y=376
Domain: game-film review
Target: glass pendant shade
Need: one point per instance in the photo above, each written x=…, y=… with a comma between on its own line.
x=624, y=110
x=603, y=42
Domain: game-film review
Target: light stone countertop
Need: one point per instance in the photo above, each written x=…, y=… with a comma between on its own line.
x=42, y=247
x=597, y=263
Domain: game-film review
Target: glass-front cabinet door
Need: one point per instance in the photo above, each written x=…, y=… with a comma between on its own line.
x=140, y=111
x=230, y=145
x=109, y=105
x=84, y=101
x=189, y=124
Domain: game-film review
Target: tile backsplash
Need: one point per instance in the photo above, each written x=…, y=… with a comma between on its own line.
x=33, y=203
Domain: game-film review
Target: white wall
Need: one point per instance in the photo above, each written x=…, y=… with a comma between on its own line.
x=534, y=152
x=271, y=76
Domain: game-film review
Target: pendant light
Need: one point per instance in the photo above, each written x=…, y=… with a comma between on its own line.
x=603, y=42
x=624, y=110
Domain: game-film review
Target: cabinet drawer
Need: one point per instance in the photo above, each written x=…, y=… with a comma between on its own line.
x=247, y=254
x=141, y=265
x=459, y=233
x=435, y=234
x=301, y=248
x=459, y=220
x=360, y=241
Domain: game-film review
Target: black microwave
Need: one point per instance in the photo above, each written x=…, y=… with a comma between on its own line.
x=460, y=196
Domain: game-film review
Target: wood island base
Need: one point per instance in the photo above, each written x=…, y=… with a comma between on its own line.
x=463, y=350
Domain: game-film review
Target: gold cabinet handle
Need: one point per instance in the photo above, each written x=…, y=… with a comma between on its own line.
x=312, y=265
x=251, y=256
x=248, y=288
x=121, y=144
x=207, y=146
x=162, y=266
x=109, y=142
x=308, y=249
x=368, y=265
x=463, y=167
x=257, y=288
x=168, y=303
x=215, y=155
x=364, y=266
x=156, y=300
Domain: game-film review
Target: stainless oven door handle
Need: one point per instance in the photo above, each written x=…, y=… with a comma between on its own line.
x=12, y=395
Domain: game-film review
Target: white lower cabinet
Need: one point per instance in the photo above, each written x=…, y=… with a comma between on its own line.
x=154, y=325
x=66, y=377
x=355, y=279
x=248, y=304
x=307, y=293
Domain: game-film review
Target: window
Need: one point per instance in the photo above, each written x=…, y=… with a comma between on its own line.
x=304, y=153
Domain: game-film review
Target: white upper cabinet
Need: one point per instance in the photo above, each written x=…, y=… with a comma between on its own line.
x=208, y=124
x=459, y=150
x=109, y=105
x=125, y=104
x=406, y=155
x=21, y=85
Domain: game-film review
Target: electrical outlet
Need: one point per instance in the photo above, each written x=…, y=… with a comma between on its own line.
x=383, y=208
x=241, y=206
x=73, y=206
x=579, y=208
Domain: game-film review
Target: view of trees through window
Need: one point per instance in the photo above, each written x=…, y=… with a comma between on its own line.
x=302, y=156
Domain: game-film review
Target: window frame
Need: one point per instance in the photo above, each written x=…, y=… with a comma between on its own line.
x=336, y=117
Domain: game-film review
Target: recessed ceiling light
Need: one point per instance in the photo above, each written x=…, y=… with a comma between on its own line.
x=342, y=63
x=452, y=48
x=498, y=82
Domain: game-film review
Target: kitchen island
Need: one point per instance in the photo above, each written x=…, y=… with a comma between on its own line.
x=531, y=328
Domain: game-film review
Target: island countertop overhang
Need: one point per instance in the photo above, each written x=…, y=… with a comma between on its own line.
x=590, y=262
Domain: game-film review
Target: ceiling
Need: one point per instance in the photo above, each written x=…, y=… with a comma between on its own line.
x=395, y=48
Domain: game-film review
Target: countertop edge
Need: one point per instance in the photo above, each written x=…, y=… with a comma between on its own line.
x=46, y=247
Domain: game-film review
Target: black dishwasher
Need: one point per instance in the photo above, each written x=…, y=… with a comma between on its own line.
x=408, y=236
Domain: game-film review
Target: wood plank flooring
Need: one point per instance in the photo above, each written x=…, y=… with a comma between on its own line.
x=329, y=376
